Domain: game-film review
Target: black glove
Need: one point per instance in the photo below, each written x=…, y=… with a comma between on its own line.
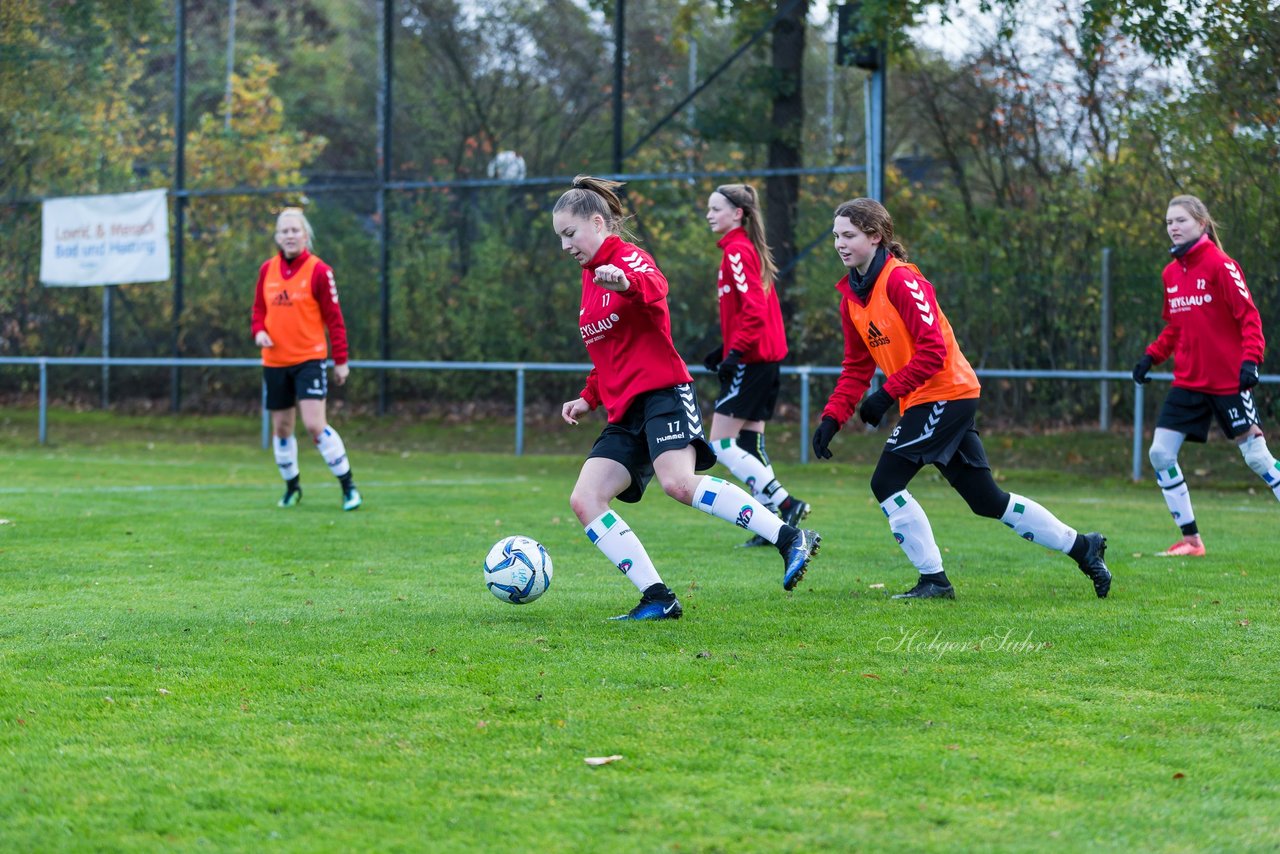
x=730, y=364
x=1248, y=375
x=1140, y=369
x=822, y=437
x=711, y=361
x=875, y=406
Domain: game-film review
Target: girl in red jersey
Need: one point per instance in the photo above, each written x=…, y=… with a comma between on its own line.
x=754, y=344
x=1213, y=331
x=654, y=425
x=295, y=302
x=891, y=320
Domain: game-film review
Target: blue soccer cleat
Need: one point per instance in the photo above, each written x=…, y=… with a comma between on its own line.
x=797, y=555
x=657, y=603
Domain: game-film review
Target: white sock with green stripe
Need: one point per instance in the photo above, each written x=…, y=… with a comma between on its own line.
x=750, y=470
x=1031, y=521
x=1176, y=494
x=719, y=498
x=286, y=451
x=614, y=538
x=911, y=528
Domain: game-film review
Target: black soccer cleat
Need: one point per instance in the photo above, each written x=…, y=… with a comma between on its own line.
x=755, y=542
x=292, y=497
x=657, y=603
x=796, y=557
x=926, y=589
x=1093, y=565
x=795, y=512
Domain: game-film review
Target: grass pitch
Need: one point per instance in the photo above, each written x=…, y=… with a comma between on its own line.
x=183, y=665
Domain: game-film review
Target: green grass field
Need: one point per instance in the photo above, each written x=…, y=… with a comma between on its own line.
x=183, y=666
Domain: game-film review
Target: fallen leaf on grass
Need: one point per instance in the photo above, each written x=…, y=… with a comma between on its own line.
x=162, y=691
x=1179, y=776
x=1244, y=622
x=602, y=760
x=871, y=676
x=5, y=522
x=875, y=586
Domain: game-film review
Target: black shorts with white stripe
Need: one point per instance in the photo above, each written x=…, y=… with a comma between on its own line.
x=937, y=432
x=1190, y=412
x=666, y=419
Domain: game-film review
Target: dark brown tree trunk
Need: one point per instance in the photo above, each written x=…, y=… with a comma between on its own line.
x=783, y=192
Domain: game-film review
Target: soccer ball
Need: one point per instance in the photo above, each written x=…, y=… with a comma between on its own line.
x=517, y=570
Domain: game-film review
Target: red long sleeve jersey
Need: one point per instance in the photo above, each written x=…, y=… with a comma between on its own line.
x=323, y=290
x=750, y=316
x=627, y=333
x=1211, y=323
x=900, y=328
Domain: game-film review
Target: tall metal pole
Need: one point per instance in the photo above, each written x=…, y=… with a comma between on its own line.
x=180, y=199
x=231, y=58
x=619, y=65
x=384, y=215
x=1104, y=344
x=831, y=102
x=874, y=98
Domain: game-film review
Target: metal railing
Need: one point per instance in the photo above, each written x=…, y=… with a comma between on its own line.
x=521, y=369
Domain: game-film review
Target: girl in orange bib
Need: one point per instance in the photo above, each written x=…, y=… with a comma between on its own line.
x=891, y=320
x=295, y=304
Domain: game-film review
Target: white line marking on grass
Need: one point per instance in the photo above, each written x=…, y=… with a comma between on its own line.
x=196, y=487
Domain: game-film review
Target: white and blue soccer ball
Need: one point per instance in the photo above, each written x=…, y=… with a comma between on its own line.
x=517, y=570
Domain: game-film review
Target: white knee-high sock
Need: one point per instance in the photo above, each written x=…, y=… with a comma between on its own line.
x=1176, y=494
x=1254, y=450
x=286, y=451
x=757, y=476
x=719, y=498
x=1031, y=521
x=614, y=538
x=911, y=528
x=334, y=452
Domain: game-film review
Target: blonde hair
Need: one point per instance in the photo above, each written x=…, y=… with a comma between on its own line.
x=745, y=198
x=871, y=218
x=1200, y=213
x=306, y=225
x=591, y=196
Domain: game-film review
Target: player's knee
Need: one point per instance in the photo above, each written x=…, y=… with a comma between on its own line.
x=1161, y=458
x=885, y=484
x=1164, y=450
x=989, y=502
x=679, y=488
x=584, y=506
x=979, y=490
x=1258, y=457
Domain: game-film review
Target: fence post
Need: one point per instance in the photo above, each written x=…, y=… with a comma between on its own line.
x=266, y=419
x=44, y=402
x=1104, y=344
x=106, y=345
x=1139, y=402
x=804, y=413
x=519, y=412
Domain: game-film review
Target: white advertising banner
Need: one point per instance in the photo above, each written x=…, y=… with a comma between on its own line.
x=105, y=240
